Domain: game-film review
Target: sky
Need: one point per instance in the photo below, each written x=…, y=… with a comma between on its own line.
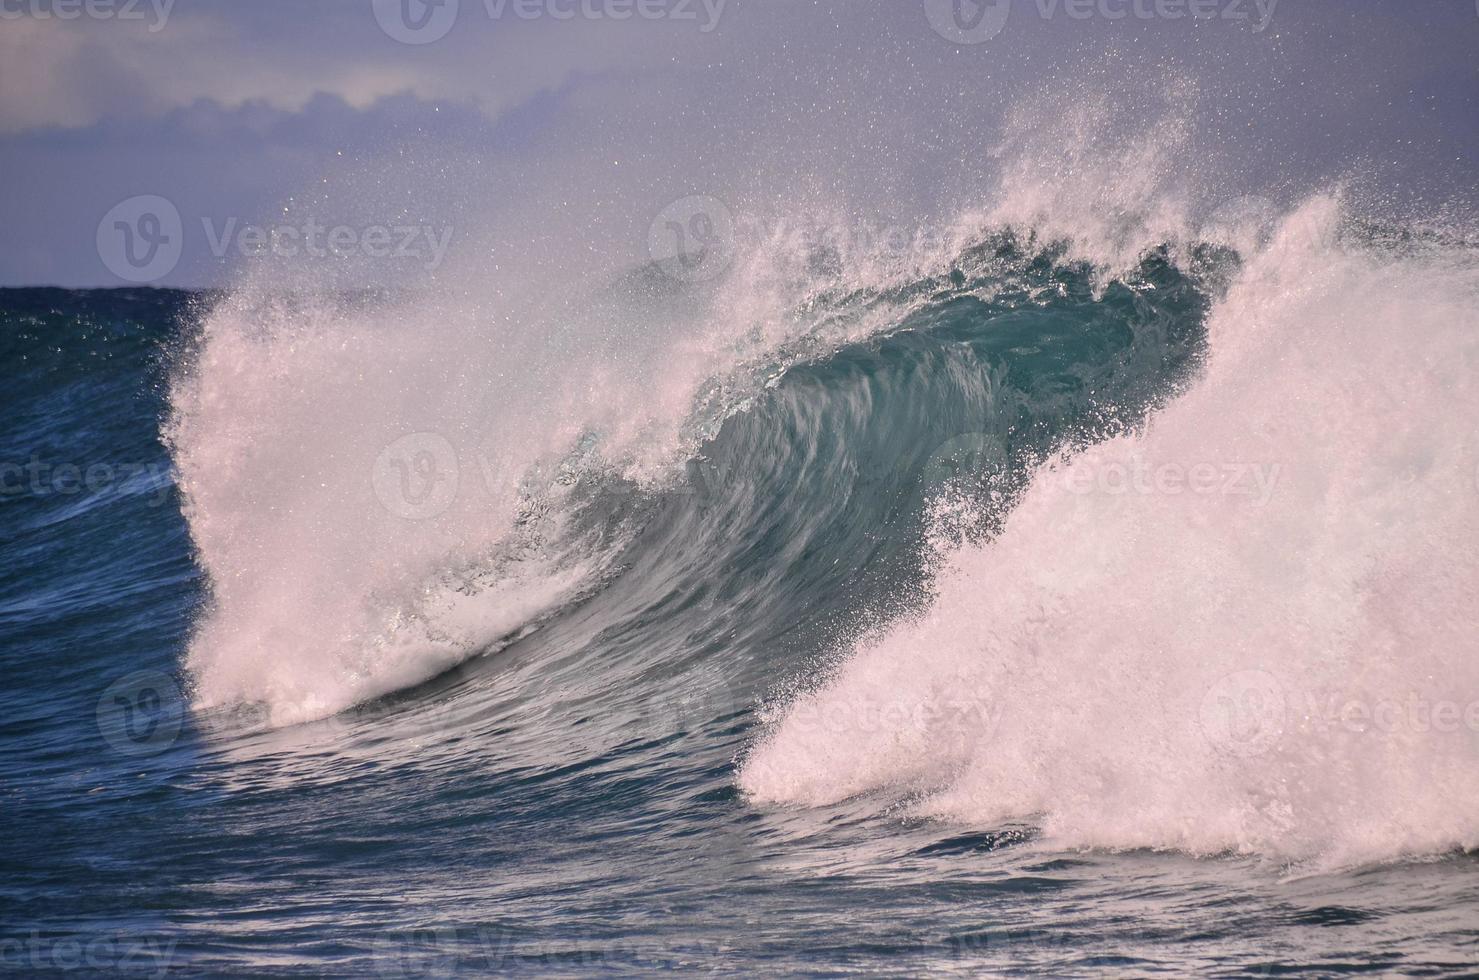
x=172, y=142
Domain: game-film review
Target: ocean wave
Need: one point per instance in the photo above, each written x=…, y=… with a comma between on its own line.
x=1239, y=627
x=1105, y=509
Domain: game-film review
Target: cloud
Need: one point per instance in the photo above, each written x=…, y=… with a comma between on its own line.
x=237, y=109
x=56, y=73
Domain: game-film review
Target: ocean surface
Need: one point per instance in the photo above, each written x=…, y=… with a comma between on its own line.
x=1048, y=604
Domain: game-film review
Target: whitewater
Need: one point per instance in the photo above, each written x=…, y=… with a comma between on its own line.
x=1215, y=599
x=1151, y=663
x=915, y=489
x=1080, y=580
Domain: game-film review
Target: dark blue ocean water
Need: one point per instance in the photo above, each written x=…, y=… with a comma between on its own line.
x=566, y=802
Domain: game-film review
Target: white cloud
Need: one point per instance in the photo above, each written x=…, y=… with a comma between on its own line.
x=78, y=72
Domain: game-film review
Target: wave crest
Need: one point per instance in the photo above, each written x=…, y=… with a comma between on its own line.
x=1234, y=629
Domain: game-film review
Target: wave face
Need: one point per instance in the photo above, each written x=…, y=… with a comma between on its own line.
x=696, y=459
